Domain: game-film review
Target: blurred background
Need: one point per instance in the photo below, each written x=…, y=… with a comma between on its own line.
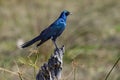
x=91, y=38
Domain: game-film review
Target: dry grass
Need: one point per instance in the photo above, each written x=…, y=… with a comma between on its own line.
x=91, y=37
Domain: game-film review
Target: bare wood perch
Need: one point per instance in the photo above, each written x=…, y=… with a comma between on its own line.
x=51, y=70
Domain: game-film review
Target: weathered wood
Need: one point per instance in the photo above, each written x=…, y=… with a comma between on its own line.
x=51, y=70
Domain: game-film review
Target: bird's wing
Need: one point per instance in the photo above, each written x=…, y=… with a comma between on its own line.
x=47, y=33
x=55, y=29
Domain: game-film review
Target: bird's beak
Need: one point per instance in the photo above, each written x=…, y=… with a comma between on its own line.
x=70, y=13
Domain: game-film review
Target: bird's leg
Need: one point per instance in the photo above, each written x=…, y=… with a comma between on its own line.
x=55, y=44
x=54, y=41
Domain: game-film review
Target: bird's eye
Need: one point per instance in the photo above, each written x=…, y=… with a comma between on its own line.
x=67, y=13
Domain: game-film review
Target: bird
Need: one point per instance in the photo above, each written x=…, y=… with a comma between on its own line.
x=52, y=32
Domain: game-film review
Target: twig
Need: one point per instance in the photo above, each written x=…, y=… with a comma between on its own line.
x=20, y=76
x=74, y=73
x=35, y=64
x=19, y=73
x=112, y=69
x=6, y=70
x=68, y=76
x=14, y=73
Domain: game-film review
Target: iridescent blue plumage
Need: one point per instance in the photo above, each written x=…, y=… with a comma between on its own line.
x=52, y=32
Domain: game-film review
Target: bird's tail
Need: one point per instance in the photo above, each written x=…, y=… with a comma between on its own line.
x=26, y=44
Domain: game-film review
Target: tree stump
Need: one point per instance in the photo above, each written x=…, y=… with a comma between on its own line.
x=51, y=70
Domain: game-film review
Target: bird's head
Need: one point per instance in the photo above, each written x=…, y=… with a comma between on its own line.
x=66, y=13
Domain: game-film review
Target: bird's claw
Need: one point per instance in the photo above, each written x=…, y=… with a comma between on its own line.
x=56, y=48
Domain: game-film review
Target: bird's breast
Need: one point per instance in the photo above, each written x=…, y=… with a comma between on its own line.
x=61, y=23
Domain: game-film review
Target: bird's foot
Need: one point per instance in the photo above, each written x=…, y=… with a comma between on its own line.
x=59, y=48
x=56, y=48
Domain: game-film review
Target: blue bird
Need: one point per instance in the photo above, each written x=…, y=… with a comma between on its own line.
x=52, y=32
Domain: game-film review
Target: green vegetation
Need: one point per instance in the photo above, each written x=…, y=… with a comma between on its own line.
x=92, y=40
